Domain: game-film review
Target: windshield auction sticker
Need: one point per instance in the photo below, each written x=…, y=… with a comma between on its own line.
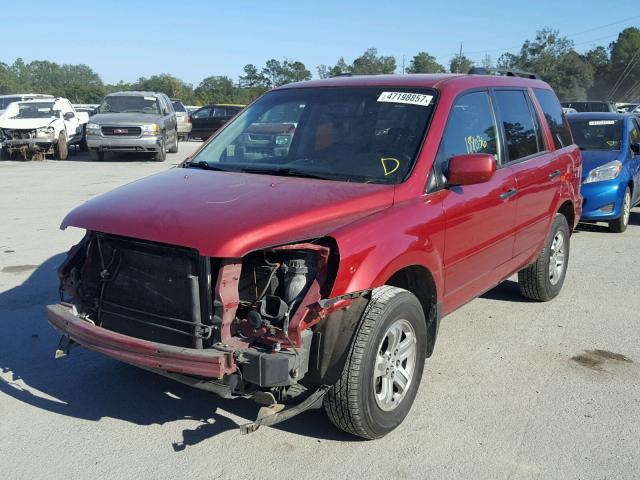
x=403, y=97
x=602, y=122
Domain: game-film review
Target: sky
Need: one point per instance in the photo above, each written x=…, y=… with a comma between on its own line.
x=124, y=40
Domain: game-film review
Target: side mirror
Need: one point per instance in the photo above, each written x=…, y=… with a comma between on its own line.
x=69, y=115
x=635, y=148
x=471, y=169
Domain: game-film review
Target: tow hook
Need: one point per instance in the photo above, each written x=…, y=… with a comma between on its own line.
x=64, y=346
x=276, y=413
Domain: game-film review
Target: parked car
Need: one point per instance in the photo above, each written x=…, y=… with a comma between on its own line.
x=610, y=144
x=87, y=108
x=183, y=118
x=591, y=106
x=207, y=120
x=319, y=272
x=5, y=100
x=136, y=122
x=40, y=127
x=626, y=107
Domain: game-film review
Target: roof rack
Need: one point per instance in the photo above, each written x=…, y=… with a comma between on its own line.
x=507, y=72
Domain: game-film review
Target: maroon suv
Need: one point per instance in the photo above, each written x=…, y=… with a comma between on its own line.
x=317, y=272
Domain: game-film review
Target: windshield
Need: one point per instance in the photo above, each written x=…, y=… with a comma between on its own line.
x=597, y=134
x=36, y=110
x=4, y=102
x=348, y=134
x=178, y=107
x=129, y=104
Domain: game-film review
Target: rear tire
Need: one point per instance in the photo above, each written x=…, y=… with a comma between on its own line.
x=4, y=154
x=388, y=351
x=62, y=149
x=97, y=156
x=620, y=224
x=543, y=279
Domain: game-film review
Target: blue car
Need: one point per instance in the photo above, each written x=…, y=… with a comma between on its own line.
x=610, y=147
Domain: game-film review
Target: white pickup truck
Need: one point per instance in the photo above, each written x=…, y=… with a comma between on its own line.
x=41, y=127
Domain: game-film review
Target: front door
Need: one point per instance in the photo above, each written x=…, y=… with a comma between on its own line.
x=479, y=219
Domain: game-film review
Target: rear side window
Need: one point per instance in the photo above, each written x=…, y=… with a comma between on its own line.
x=471, y=128
x=178, y=107
x=522, y=138
x=555, y=119
x=219, y=112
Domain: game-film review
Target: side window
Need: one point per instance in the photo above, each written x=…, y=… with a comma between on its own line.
x=202, y=113
x=471, y=128
x=519, y=128
x=634, y=132
x=218, y=112
x=555, y=119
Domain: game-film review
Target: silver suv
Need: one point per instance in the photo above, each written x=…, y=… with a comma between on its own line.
x=138, y=122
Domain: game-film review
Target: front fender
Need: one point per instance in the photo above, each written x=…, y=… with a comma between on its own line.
x=374, y=248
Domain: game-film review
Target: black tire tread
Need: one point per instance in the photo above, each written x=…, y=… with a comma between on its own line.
x=341, y=401
x=533, y=280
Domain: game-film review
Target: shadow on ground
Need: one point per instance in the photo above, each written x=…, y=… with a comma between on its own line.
x=88, y=386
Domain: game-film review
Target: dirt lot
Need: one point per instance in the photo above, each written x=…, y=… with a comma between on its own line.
x=514, y=390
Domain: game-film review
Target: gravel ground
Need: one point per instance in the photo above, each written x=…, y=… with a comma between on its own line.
x=515, y=389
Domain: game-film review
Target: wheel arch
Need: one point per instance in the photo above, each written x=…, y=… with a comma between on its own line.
x=567, y=209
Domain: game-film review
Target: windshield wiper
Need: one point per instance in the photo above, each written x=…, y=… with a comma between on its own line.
x=287, y=172
x=204, y=166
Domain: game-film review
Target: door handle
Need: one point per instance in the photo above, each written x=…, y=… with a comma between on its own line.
x=508, y=194
x=555, y=174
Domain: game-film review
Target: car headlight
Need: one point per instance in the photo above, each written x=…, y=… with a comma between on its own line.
x=282, y=139
x=608, y=171
x=45, y=132
x=151, y=129
x=93, y=129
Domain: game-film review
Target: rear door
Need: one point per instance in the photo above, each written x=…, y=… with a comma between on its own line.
x=538, y=170
x=199, y=120
x=479, y=219
x=218, y=117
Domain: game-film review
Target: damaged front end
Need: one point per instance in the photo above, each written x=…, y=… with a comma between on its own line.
x=237, y=327
x=29, y=144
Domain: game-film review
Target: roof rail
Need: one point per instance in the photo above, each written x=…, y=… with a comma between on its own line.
x=507, y=72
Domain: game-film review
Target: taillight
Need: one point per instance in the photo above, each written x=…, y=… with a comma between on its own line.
x=189, y=119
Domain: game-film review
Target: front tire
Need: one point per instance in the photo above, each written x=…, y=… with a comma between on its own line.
x=174, y=149
x=621, y=223
x=62, y=149
x=161, y=154
x=543, y=279
x=384, y=366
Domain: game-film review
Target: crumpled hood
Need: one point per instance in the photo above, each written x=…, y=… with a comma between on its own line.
x=594, y=158
x=124, y=118
x=26, y=123
x=225, y=214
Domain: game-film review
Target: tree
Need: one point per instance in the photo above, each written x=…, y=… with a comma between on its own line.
x=217, y=89
x=600, y=62
x=460, y=64
x=424, y=63
x=280, y=73
x=625, y=65
x=370, y=63
x=554, y=59
x=172, y=86
x=339, y=68
x=252, y=78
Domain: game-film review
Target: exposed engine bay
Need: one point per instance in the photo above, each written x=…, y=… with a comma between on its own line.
x=246, y=323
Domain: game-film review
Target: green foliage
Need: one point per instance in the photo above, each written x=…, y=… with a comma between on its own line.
x=424, y=63
x=611, y=72
x=460, y=64
x=370, y=63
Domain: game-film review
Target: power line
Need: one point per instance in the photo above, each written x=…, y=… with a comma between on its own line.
x=625, y=73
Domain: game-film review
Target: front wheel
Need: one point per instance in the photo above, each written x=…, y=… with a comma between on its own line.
x=384, y=366
x=621, y=223
x=174, y=148
x=161, y=154
x=62, y=149
x=543, y=279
